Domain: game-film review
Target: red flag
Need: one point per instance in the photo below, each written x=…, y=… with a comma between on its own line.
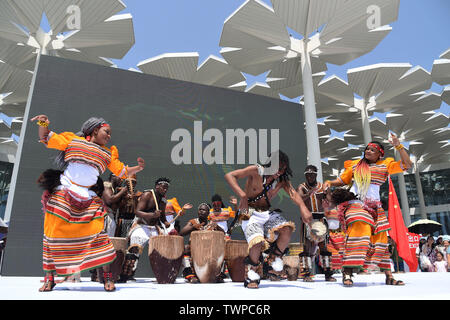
x=398, y=230
x=414, y=240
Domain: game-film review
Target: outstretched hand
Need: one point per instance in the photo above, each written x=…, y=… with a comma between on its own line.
x=141, y=163
x=185, y=207
x=393, y=140
x=41, y=117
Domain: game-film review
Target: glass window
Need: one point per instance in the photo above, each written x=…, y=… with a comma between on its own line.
x=6, y=169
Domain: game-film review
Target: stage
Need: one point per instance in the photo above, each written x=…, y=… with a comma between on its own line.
x=418, y=286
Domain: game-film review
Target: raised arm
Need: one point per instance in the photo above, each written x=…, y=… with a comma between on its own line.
x=232, y=179
x=140, y=166
x=404, y=156
x=43, y=123
x=297, y=199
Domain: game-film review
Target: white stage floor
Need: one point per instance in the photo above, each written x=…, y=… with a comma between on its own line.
x=419, y=286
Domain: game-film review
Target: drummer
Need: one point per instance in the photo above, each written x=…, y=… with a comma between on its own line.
x=200, y=223
x=150, y=221
x=220, y=214
x=313, y=194
x=172, y=209
x=261, y=224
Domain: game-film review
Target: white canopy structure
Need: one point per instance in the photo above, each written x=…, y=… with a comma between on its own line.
x=441, y=69
x=386, y=87
x=80, y=30
x=214, y=71
x=89, y=31
x=255, y=39
x=445, y=95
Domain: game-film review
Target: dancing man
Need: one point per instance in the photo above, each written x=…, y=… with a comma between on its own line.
x=367, y=175
x=74, y=239
x=260, y=224
x=313, y=195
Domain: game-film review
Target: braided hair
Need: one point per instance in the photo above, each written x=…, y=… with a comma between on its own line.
x=362, y=174
x=341, y=195
x=283, y=160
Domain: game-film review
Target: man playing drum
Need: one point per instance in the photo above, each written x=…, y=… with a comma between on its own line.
x=200, y=223
x=220, y=214
x=260, y=224
x=313, y=194
x=150, y=221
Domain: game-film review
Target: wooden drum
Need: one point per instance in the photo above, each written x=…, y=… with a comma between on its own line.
x=207, y=252
x=166, y=255
x=235, y=253
x=121, y=246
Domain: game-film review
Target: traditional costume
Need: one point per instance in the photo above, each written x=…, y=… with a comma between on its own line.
x=314, y=203
x=139, y=236
x=173, y=208
x=263, y=226
x=221, y=217
x=74, y=239
x=141, y=232
x=367, y=180
x=336, y=242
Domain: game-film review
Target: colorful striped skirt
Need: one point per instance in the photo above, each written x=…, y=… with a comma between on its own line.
x=73, y=234
x=336, y=245
x=364, y=249
x=357, y=245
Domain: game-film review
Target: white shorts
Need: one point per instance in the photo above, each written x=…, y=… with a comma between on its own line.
x=142, y=233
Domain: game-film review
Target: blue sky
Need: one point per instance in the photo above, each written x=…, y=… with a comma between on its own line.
x=419, y=36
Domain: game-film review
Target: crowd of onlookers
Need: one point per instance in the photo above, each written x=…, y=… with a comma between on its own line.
x=433, y=254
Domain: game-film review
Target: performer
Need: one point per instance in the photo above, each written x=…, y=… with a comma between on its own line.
x=112, y=196
x=260, y=223
x=336, y=234
x=368, y=174
x=74, y=214
x=358, y=225
x=200, y=223
x=173, y=209
x=150, y=221
x=313, y=195
x=221, y=214
x=125, y=205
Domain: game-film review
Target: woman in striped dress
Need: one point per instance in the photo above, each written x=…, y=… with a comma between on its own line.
x=366, y=176
x=74, y=214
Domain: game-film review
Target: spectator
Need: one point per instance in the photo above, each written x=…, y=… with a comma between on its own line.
x=441, y=247
x=422, y=241
x=440, y=241
x=427, y=255
x=440, y=265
